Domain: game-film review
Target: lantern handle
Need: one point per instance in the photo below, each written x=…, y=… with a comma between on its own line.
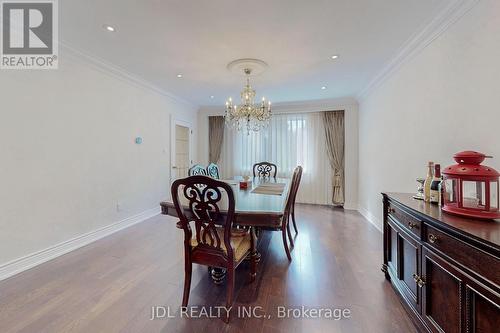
x=487, y=156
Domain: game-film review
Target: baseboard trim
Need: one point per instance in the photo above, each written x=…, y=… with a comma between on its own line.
x=350, y=206
x=370, y=218
x=34, y=259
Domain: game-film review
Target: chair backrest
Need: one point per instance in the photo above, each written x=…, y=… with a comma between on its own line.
x=299, y=177
x=196, y=170
x=265, y=169
x=294, y=187
x=213, y=171
x=201, y=197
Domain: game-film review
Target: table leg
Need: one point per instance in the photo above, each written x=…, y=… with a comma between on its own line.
x=217, y=274
x=257, y=256
x=257, y=253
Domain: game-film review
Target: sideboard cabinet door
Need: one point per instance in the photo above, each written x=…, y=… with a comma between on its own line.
x=443, y=292
x=404, y=263
x=482, y=309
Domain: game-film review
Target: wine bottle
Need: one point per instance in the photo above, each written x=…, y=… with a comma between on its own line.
x=428, y=181
x=435, y=193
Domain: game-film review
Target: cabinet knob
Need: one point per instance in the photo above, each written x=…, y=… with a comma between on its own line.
x=412, y=225
x=415, y=277
x=432, y=238
x=391, y=210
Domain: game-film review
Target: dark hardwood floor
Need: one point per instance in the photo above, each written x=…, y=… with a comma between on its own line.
x=111, y=285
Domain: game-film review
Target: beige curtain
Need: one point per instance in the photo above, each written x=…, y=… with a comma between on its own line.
x=334, y=133
x=215, y=137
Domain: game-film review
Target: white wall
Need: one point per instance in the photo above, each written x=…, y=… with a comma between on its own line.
x=67, y=152
x=351, y=135
x=444, y=100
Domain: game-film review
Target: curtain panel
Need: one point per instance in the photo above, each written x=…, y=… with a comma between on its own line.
x=334, y=133
x=215, y=138
x=288, y=141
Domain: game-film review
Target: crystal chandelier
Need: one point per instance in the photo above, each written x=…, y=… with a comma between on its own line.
x=248, y=115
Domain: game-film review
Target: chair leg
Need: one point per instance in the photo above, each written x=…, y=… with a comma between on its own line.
x=289, y=235
x=253, y=255
x=285, y=243
x=293, y=219
x=187, y=281
x=229, y=292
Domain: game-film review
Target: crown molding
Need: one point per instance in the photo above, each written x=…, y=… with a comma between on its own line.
x=419, y=41
x=317, y=105
x=118, y=72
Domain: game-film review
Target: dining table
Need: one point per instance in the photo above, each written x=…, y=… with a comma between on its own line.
x=259, y=205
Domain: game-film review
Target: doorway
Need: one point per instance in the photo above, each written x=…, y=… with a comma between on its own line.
x=181, y=152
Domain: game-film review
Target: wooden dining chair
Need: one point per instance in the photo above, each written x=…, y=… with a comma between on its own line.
x=213, y=171
x=283, y=227
x=265, y=169
x=299, y=170
x=213, y=242
x=196, y=170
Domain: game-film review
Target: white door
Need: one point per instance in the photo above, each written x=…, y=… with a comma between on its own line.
x=181, y=152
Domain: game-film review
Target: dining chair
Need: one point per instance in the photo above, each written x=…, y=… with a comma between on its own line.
x=197, y=170
x=213, y=171
x=292, y=208
x=265, y=169
x=283, y=226
x=213, y=242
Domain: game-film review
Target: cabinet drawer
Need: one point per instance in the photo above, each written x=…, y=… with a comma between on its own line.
x=476, y=260
x=408, y=222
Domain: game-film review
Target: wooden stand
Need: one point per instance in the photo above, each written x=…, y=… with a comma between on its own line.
x=445, y=268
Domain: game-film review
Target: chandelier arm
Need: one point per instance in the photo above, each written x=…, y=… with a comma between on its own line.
x=255, y=116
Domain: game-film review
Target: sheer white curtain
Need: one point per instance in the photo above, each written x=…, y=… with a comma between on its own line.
x=290, y=140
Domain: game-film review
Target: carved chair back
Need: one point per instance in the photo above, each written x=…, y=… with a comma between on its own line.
x=196, y=170
x=265, y=169
x=203, y=195
x=213, y=171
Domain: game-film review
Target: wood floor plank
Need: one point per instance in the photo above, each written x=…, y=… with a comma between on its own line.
x=112, y=284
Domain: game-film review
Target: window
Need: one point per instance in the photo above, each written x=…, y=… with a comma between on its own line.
x=288, y=141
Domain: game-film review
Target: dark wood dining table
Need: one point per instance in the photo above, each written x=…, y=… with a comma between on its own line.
x=252, y=209
x=261, y=211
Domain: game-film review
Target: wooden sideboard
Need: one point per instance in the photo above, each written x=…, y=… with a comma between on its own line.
x=446, y=269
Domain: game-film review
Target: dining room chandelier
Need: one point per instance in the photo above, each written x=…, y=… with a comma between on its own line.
x=248, y=115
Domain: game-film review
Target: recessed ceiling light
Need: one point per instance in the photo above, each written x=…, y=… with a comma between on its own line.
x=108, y=28
x=179, y=75
x=323, y=88
x=212, y=97
x=335, y=56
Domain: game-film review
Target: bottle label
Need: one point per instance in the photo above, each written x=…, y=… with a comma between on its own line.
x=434, y=197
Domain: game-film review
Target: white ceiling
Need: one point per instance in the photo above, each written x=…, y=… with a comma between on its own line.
x=157, y=39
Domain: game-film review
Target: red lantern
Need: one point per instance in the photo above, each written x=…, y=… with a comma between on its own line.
x=471, y=189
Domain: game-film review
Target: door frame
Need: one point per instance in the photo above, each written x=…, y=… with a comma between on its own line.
x=174, y=121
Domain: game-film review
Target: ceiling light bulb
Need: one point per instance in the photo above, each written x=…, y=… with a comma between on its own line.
x=323, y=88
x=212, y=97
x=335, y=56
x=108, y=28
x=179, y=75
